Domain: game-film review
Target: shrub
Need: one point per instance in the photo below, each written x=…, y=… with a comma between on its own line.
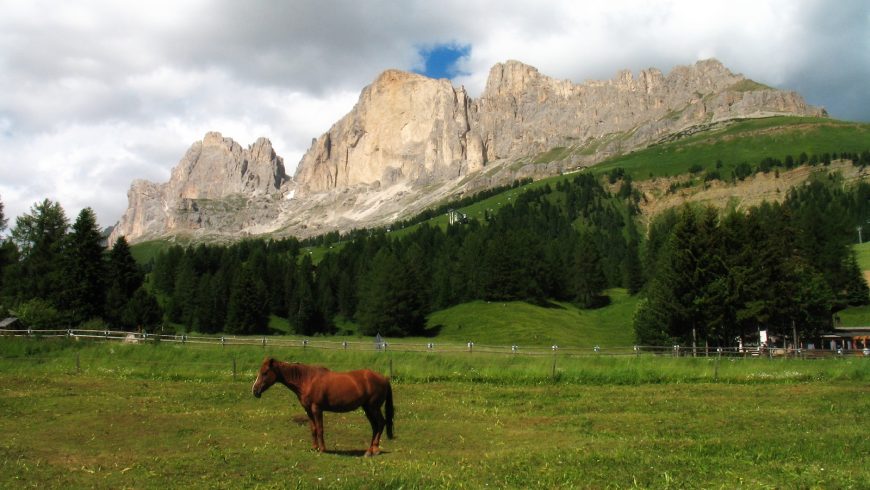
x=37, y=313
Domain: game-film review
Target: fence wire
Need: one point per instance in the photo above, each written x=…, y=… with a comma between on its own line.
x=429, y=347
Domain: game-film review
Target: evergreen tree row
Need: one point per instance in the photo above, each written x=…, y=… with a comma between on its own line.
x=53, y=275
x=705, y=274
x=569, y=243
x=777, y=267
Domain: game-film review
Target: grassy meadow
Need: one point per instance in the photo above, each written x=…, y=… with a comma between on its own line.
x=108, y=415
x=559, y=323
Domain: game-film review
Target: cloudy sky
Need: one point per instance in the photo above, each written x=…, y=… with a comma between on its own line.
x=94, y=94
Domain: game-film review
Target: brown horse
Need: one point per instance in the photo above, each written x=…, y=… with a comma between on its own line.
x=320, y=390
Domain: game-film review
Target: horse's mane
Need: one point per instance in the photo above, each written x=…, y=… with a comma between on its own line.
x=311, y=367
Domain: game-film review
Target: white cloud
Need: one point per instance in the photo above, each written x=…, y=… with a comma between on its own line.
x=95, y=94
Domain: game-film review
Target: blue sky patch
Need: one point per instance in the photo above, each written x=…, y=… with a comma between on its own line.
x=439, y=61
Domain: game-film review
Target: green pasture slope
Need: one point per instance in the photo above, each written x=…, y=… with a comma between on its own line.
x=858, y=316
x=79, y=414
x=748, y=141
x=519, y=323
x=862, y=253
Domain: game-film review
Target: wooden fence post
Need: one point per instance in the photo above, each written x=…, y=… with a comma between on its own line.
x=555, y=349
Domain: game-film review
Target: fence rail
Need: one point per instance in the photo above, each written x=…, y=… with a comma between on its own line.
x=431, y=347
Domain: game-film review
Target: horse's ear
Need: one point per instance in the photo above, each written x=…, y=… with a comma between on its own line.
x=271, y=361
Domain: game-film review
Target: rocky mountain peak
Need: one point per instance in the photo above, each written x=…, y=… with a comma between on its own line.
x=212, y=169
x=411, y=141
x=510, y=78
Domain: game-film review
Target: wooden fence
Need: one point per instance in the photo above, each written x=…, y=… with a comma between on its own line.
x=429, y=346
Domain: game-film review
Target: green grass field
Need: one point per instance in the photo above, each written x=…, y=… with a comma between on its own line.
x=140, y=416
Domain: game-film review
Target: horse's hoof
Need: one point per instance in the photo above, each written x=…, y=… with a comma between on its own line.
x=368, y=454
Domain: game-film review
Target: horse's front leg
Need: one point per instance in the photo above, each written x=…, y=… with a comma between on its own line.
x=313, y=426
x=318, y=428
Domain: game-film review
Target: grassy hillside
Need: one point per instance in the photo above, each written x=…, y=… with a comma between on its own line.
x=521, y=323
x=745, y=141
x=858, y=316
x=749, y=141
x=862, y=251
x=145, y=252
x=518, y=323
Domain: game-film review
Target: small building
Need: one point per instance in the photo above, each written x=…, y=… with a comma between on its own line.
x=456, y=217
x=10, y=323
x=853, y=338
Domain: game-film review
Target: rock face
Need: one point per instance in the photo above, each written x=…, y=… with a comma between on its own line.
x=404, y=127
x=408, y=127
x=214, y=169
x=412, y=141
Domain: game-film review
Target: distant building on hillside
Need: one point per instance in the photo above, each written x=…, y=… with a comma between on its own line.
x=456, y=217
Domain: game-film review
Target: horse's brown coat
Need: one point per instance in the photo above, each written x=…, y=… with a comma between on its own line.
x=320, y=390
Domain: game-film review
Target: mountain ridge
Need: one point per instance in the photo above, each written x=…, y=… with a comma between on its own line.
x=411, y=141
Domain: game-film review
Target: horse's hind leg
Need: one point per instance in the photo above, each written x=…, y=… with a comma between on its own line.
x=376, y=419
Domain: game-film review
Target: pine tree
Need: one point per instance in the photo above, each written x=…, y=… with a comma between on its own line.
x=306, y=317
x=124, y=278
x=632, y=271
x=855, y=290
x=388, y=303
x=39, y=236
x=588, y=276
x=183, y=304
x=8, y=253
x=84, y=269
x=248, y=308
x=142, y=312
x=205, y=316
x=3, y=219
x=123, y=268
x=165, y=267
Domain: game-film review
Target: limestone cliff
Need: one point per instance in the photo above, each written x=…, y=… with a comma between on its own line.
x=407, y=127
x=404, y=127
x=411, y=142
x=216, y=169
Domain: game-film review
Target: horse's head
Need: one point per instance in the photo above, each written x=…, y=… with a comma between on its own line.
x=266, y=377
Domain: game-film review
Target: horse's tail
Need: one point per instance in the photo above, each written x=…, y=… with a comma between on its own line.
x=389, y=410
